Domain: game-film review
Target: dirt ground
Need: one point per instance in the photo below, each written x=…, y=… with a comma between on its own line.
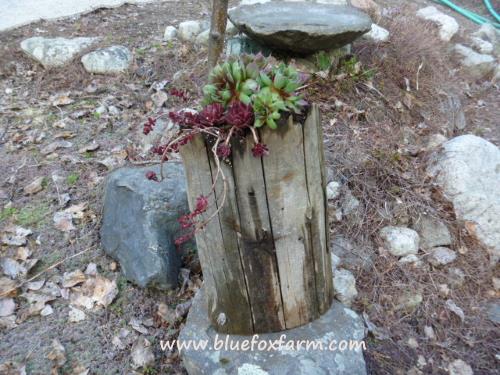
x=375, y=136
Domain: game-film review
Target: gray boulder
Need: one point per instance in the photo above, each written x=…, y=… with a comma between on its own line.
x=467, y=168
x=114, y=59
x=301, y=27
x=140, y=224
x=54, y=52
x=339, y=323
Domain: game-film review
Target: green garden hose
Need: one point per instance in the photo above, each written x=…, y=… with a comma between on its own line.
x=491, y=10
x=474, y=17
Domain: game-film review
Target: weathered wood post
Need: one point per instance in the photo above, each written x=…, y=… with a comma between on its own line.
x=265, y=256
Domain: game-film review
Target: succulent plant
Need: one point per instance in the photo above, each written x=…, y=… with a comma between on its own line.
x=253, y=82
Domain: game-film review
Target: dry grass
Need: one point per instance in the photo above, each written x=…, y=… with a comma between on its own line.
x=374, y=146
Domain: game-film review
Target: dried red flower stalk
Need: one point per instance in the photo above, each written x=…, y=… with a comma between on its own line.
x=150, y=175
x=148, y=126
x=179, y=93
x=260, y=150
x=223, y=151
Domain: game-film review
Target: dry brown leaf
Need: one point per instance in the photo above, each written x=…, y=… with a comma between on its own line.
x=7, y=285
x=61, y=99
x=105, y=291
x=64, y=221
x=35, y=186
x=70, y=279
x=57, y=354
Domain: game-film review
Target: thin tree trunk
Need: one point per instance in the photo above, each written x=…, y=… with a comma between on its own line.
x=217, y=31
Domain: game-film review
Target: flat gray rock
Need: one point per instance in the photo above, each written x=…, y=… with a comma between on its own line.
x=140, y=224
x=301, y=27
x=110, y=60
x=339, y=323
x=54, y=52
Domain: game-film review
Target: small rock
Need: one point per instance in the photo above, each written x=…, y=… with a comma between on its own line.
x=76, y=315
x=481, y=45
x=400, y=241
x=159, y=98
x=412, y=258
x=459, y=367
x=412, y=343
x=344, y=285
x=452, y=306
x=12, y=268
x=55, y=52
x=421, y=362
x=7, y=307
x=456, y=277
x=477, y=64
x=434, y=141
x=91, y=269
x=47, y=310
x=349, y=203
x=441, y=256
x=333, y=190
x=101, y=110
x=113, y=110
x=486, y=32
x=433, y=232
x=35, y=285
x=188, y=30
x=409, y=301
x=493, y=312
x=335, y=261
x=352, y=254
x=448, y=26
x=202, y=38
x=137, y=325
x=142, y=354
x=170, y=33
x=35, y=186
x=114, y=59
x=429, y=333
x=377, y=34
x=496, y=283
x=8, y=322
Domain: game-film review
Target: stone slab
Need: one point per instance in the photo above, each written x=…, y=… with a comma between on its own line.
x=339, y=323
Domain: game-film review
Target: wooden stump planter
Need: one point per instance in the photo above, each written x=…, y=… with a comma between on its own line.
x=265, y=256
